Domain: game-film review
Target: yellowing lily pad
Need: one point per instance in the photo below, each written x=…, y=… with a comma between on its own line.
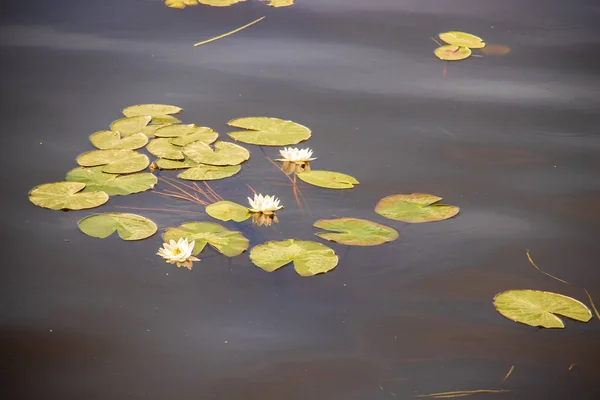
x=172, y=131
x=111, y=184
x=415, y=208
x=537, y=308
x=328, y=179
x=180, y=3
x=164, y=163
x=220, y=3
x=452, y=53
x=229, y=243
x=162, y=147
x=280, y=3
x=355, y=232
x=228, y=211
x=462, y=39
x=113, y=140
x=164, y=120
x=309, y=258
x=130, y=125
x=150, y=130
x=115, y=161
x=201, y=134
x=66, y=196
x=153, y=110
x=128, y=226
x=224, y=153
x=266, y=131
x=205, y=172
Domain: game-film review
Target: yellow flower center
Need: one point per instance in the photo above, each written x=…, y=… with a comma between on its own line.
x=177, y=251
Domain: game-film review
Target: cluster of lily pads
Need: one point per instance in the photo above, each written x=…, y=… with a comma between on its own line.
x=459, y=45
x=222, y=3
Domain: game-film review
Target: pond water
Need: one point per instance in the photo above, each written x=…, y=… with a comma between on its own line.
x=512, y=140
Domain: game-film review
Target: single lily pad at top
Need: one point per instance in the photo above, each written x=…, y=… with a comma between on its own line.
x=228, y=211
x=130, y=125
x=200, y=134
x=265, y=131
x=162, y=147
x=415, y=208
x=224, y=153
x=113, y=140
x=205, y=172
x=111, y=184
x=229, y=243
x=66, y=196
x=537, y=308
x=173, y=131
x=462, y=39
x=355, y=232
x=115, y=161
x=128, y=226
x=152, y=110
x=452, y=53
x=164, y=163
x=328, y=179
x=309, y=258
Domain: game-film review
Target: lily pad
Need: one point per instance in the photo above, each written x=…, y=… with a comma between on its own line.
x=162, y=147
x=164, y=163
x=180, y=3
x=224, y=153
x=452, y=53
x=228, y=211
x=115, y=161
x=309, y=258
x=164, y=120
x=201, y=134
x=328, y=179
x=205, y=172
x=152, y=110
x=172, y=131
x=113, y=140
x=65, y=196
x=111, y=184
x=415, y=208
x=130, y=125
x=280, y=3
x=229, y=243
x=128, y=226
x=220, y=3
x=462, y=39
x=355, y=232
x=265, y=131
x=150, y=130
x=537, y=308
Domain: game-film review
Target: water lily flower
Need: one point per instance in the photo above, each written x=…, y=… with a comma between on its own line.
x=263, y=209
x=179, y=252
x=295, y=159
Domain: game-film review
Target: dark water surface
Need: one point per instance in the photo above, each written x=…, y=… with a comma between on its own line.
x=513, y=140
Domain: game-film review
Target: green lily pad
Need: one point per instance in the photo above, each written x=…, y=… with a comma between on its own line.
x=228, y=211
x=452, y=53
x=415, y=208
x=150, y=109
x=130, y=125
x=113, y=140
x=173, y=131
x=128, y=226
x=224, y=153
x=328, y=179
x=537, y=308
x=201, y=134
x=355, y=232
x=229, y=243
x=111, y=184
x=162, y=147
x=164, y=163
x=115, y=161
x=265, y=131
x=150, y=130
x=309, y=258
x=462, y=39
x=205, y=172
x=65, y=196
x=164, y=120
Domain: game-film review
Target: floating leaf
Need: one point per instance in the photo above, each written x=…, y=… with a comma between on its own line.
x=130, y=125
x=162, y=147
x=280, y=3
x=462, y=39
x=225, y=153
x=115, y=161
x=65, y=196
x=113, y=140
x=309, y=258
x=150, y=130
x=180, y=3
x=452, y=53
x=220, y=3
x=355, y=232
x=164, y=163
x=152, y=110
x=111, y=184
x=173, y=131
x=164, y=120
x=266, y=131
x=205, y=172
x=537, y=308
x=415, y=208
x=328, y=179
x=201, y=134
x=228, y=211
x=229, y=243
x=128, y=226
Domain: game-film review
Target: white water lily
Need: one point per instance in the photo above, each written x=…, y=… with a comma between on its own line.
x=296, y=155
x=179, y=252
x=264, y=204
